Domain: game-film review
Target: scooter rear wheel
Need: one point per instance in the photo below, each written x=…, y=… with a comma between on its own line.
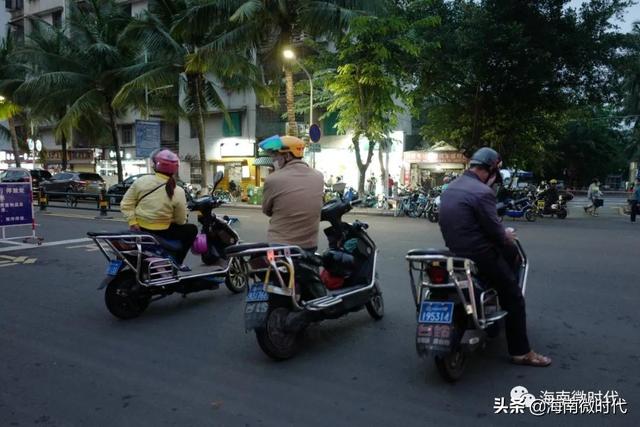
x=273, y=339
x=375, y=306
x=562, y=214
x=451, y=366
x=530, y=215
x=432, y=216
x=124, y=303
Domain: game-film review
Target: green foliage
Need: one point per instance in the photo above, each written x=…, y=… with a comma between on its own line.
x=505, y=72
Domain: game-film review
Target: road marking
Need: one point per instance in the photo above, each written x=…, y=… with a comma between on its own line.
x=56, y=243
x=88, y=248
x=9, y=260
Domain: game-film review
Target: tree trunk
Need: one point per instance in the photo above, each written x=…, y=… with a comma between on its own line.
x=362, y=167
x=14, y=141
x=197, y=88
x=291, y=113
x=63, y=144
x=384, y=174
x=116, y=141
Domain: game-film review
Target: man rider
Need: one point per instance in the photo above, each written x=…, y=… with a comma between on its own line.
x=470, y=227
x=293, y=198
x=550, y=195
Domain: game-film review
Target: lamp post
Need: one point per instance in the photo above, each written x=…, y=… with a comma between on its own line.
x=291, y=56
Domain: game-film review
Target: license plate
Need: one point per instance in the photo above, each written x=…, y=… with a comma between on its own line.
x=541, y=203
x=257, y=293
x=436, y=312
x=114, y=267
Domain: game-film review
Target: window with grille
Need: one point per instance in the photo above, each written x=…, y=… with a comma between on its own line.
x=127, y=135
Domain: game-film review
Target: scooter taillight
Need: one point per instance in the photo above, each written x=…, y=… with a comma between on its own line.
x=438, y=275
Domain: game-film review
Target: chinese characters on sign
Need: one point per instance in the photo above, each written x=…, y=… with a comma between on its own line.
x=435, y=157
x=15, y=204
x=561, y=402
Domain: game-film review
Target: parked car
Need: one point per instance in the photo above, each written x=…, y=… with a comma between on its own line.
x=38, y=176
x=116, y=191
x=73, y=182
x=15, y=175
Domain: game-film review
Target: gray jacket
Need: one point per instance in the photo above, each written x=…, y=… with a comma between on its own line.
x=468, y=218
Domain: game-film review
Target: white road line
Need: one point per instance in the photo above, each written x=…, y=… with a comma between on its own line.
x=57, y=243
x=7, y=265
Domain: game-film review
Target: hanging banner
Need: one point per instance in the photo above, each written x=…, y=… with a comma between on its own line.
x=15, y=204
x=148, y=134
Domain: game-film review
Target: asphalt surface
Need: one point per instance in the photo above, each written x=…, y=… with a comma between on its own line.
x=65, y=361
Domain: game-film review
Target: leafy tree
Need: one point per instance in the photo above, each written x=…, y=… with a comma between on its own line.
x=86, y=72
x=168, y=36
x=271, y=26
x=369, y=86
x=505, y=72
x=11, y=76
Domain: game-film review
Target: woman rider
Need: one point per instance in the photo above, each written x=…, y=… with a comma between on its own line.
x=156, y=205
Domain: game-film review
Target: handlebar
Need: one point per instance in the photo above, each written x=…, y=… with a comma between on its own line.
x=355, y=202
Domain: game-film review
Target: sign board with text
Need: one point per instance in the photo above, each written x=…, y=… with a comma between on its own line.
x=15, y=204
x=148, y=135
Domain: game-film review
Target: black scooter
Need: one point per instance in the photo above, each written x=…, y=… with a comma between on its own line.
x=275, y=307
x=143, y=268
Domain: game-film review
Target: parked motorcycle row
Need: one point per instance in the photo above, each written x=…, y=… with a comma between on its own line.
x=530, y=206
x=456, y=313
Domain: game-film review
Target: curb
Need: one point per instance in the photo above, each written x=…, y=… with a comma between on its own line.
x=367, y=212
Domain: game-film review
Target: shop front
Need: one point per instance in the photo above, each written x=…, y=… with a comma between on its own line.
x=427, y=168
x=78, y=159
x=236, y=159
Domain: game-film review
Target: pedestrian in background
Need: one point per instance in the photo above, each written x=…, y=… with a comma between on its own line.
x=634, y=199
x=594, y=194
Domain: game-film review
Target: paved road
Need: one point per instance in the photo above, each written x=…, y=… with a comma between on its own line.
x=64, y=361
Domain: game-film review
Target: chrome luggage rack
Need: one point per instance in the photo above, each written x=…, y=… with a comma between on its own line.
x=161, y=271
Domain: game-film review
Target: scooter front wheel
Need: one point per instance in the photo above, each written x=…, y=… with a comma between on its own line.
x=451, y=366
x=432, y=216
x=530, y=215
x=123, y=301
x=273, y=339
x=237, y=277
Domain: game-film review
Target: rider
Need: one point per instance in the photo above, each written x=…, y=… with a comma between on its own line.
x=550, y=195
x=470, y=227
x=163, y=213
x=293, y=198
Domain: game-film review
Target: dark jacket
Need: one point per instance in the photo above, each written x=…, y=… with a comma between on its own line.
x=468, y=218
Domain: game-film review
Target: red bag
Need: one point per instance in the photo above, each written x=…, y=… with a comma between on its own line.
x=331, y=282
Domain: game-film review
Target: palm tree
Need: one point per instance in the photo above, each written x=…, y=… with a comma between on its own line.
x=271, y=26
x=11, y=76
x=86, y=73
x=44, y=47
x=169, y=35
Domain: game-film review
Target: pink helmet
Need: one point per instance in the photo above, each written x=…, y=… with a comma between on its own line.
x=199, y=245
x=165, y=161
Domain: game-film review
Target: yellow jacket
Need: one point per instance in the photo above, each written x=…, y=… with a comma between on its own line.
x=155, y=211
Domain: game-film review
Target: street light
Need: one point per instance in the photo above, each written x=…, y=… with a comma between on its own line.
x=291, y=56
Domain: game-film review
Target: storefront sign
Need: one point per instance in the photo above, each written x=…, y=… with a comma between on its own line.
x=76, y=155
x=434, y=157
x=148, y=135
x=15, y=204
x=234, y=147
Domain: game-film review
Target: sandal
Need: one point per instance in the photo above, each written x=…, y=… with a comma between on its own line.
x=531, y=359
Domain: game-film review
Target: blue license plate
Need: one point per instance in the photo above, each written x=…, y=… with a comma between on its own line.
x=114, y=267
x=257, y=293
x=436, y=312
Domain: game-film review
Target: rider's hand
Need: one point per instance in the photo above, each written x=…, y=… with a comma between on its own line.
x=134, y=227
x=510, y=234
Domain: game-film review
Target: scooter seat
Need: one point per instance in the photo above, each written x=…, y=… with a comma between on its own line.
x=430, y=251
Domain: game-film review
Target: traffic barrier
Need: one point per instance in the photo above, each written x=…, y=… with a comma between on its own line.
x=43, y=200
